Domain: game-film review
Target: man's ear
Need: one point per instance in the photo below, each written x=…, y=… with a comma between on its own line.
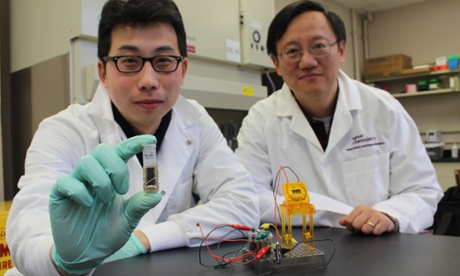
x=342, y=51
x=275, y=61
x=102, y=73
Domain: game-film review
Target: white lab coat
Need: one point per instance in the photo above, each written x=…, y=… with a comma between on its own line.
x=375, y=155
x=194, y=158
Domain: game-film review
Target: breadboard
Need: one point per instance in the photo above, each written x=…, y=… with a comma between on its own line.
x=300, y=259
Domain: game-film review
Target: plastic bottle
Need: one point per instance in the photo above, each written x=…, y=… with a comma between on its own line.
x=151, y=184
x=454, y=151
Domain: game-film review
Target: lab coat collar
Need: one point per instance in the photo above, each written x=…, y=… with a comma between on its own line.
x=287, y=107
x=348, y=101
x=348, y=93
x=348, y=97
x=100, y=111
x=186, y=111
x=102, y=105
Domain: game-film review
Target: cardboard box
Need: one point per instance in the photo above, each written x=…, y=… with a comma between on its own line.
x=415, y=71
x=387, y=66
x=398, y=59
x=5, y=257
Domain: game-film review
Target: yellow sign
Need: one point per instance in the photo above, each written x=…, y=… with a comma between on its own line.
x=5, y=257
x=248, y=91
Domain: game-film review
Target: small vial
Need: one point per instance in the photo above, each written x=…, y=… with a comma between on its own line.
x=151, y=184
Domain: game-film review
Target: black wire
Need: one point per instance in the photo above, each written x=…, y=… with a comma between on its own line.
x=201, y=246
x=321, y=240
x=222, y=262
x=278, y=173
x=269, y=78
x=287, y=167
x=332, y=255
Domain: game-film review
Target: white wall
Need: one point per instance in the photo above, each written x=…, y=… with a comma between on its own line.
x=35, y=36
x=42, y=29
x=424, y=31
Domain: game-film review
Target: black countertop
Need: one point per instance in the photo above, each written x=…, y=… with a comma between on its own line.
x=446, y=158
x=352, y=254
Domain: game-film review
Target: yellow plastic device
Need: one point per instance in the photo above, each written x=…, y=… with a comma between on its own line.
x=297, y=202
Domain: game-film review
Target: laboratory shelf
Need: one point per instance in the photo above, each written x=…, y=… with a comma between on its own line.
x=417, y=75
x=425, y=93
x=396, y=84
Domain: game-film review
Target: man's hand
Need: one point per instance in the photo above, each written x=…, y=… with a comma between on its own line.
x=90, y=219
x=368, y=221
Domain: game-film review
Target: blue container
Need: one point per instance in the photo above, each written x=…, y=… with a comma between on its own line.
x=452, y=62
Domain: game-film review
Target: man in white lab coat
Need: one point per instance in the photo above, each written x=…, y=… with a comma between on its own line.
x=355, y=147
x=81, y=201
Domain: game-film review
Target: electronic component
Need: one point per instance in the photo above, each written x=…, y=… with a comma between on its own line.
x=278, y=253
x=297, y=202
x=300, y=258
x=292, y=256
x=286, y=256
x=151, y=181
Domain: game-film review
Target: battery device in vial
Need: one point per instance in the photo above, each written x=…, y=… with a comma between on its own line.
x=151, y=183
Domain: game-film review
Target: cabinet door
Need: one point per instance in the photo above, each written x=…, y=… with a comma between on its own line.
x=213, y=29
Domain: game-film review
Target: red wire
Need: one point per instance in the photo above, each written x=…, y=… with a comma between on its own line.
x=236, y=260
x=276, y=201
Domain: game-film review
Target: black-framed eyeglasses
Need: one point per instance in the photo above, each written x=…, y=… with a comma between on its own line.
x=132, y=64
x=293, y=54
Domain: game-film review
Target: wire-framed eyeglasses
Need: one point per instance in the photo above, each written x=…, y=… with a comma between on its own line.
x=293, y=54
x=132, y=64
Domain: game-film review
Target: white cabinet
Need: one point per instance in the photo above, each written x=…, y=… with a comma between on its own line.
x=233, y=31
x=213, y=29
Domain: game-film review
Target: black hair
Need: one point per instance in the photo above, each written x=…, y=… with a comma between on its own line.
x=284, y=17
x=138, y=13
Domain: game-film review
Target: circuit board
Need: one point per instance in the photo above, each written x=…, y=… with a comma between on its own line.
x=300, y=259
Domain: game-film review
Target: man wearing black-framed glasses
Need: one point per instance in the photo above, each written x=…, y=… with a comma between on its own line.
x=83, y=187
x=352, y=144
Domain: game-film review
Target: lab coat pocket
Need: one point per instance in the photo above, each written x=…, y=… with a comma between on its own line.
x=367, y=179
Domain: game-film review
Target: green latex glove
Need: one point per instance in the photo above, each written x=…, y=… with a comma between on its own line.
x=132, y=248
x=90, y=219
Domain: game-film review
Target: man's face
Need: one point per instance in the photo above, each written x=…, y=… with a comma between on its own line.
x=143, y=97
x=310, y=77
